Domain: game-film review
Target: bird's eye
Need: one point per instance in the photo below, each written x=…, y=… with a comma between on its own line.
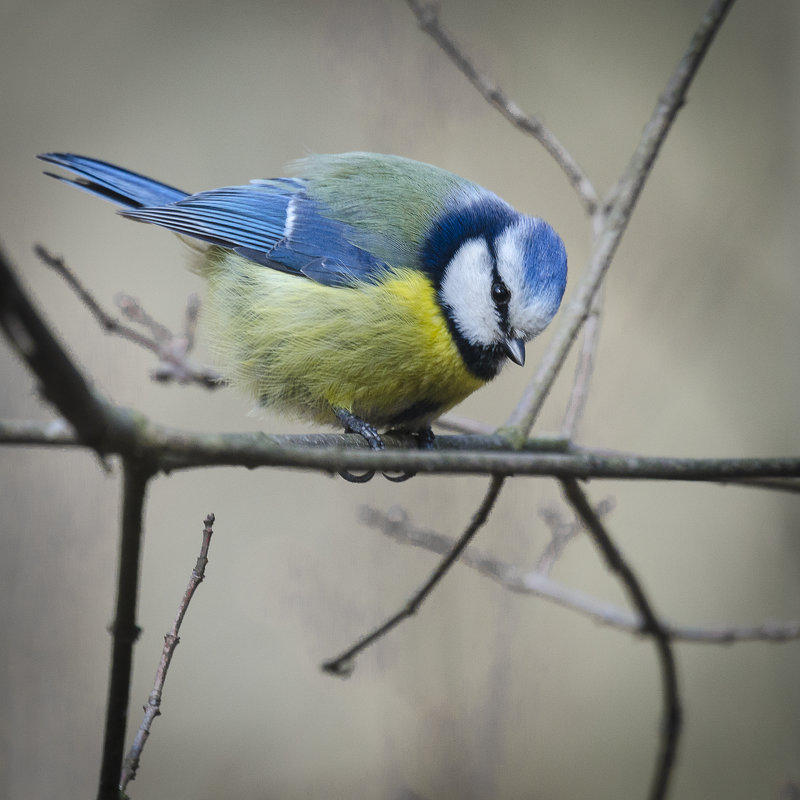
x=500, y=293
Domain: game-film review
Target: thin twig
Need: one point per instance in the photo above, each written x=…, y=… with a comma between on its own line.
x=108, y=323
x=124, y=630
x=618, y=214
x=583, y=370
x=190, y=320
x=172, y=351
x=171, y=640
x=135, y=312
x=343, y=664
x=427, y=14
x=536, y=582
x=562, y=533
x=459, y=424
x=671, y=727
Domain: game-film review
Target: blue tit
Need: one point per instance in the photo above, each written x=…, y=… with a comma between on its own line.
x=371, y=291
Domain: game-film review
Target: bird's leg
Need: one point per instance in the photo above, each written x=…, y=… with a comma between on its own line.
x=426, y=438
x=354, y=424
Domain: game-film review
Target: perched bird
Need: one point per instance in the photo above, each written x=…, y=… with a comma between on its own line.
x=370, y=290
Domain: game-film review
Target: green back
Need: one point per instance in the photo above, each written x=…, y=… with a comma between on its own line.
x=389, y=200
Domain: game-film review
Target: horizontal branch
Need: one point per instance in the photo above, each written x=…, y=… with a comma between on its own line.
x=110, y=429
x=54, y=433
x=395, y=524
x=170, y=449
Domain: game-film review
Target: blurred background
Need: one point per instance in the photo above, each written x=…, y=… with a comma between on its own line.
x=485, y=693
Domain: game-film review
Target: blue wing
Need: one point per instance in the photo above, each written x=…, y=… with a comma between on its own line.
x=272, y=222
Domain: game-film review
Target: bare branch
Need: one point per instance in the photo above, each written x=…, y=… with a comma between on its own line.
x=427, y=14
x=146, y=447
x=343, y=664
x=616, y=217
x=789, y=485
x=54, y=433
x=583, y=370
x=190, y=321
x=177, y=450
x=135, y=312
x=172, y=351
x=459, y=424
x=562, y=533
x=171, y=640
x=124, y=630
x=104, y=319
x=671, y=730
x=395, y=524
x=171, y=448
x=60, y=382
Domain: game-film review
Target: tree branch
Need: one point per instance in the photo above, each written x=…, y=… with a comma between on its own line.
x=171, y=640
x=172, y=351
x=653, y=626
x=49, y=433
x=60, y=382
x=170, y=449
x=562, y=533
x=124, y=629
x=342, y=664
x=619, y=208
x=427, y=14
x=146, y=447
x=536, y=582
x=583, y=370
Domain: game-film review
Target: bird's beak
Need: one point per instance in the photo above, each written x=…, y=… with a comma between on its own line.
x=515, y=350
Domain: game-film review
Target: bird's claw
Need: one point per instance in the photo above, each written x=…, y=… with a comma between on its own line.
x=354, y=424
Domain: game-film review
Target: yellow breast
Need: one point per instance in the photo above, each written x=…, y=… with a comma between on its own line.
x=382, y=351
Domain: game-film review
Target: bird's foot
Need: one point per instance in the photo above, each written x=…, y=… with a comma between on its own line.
x=354, y=424
x=425, y=437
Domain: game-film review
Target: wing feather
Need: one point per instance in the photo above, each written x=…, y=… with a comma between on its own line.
x=273, y=223
x=339, y=222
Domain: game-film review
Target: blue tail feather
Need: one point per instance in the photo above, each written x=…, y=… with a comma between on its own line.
x=118, y=185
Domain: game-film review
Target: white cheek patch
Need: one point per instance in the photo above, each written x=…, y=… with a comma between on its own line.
x=530, y=309
x=465, y=290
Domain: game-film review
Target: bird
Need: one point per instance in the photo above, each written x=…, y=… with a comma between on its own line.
x=366, y=291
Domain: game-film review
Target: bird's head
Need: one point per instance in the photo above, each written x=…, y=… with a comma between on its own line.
x=500, y=277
